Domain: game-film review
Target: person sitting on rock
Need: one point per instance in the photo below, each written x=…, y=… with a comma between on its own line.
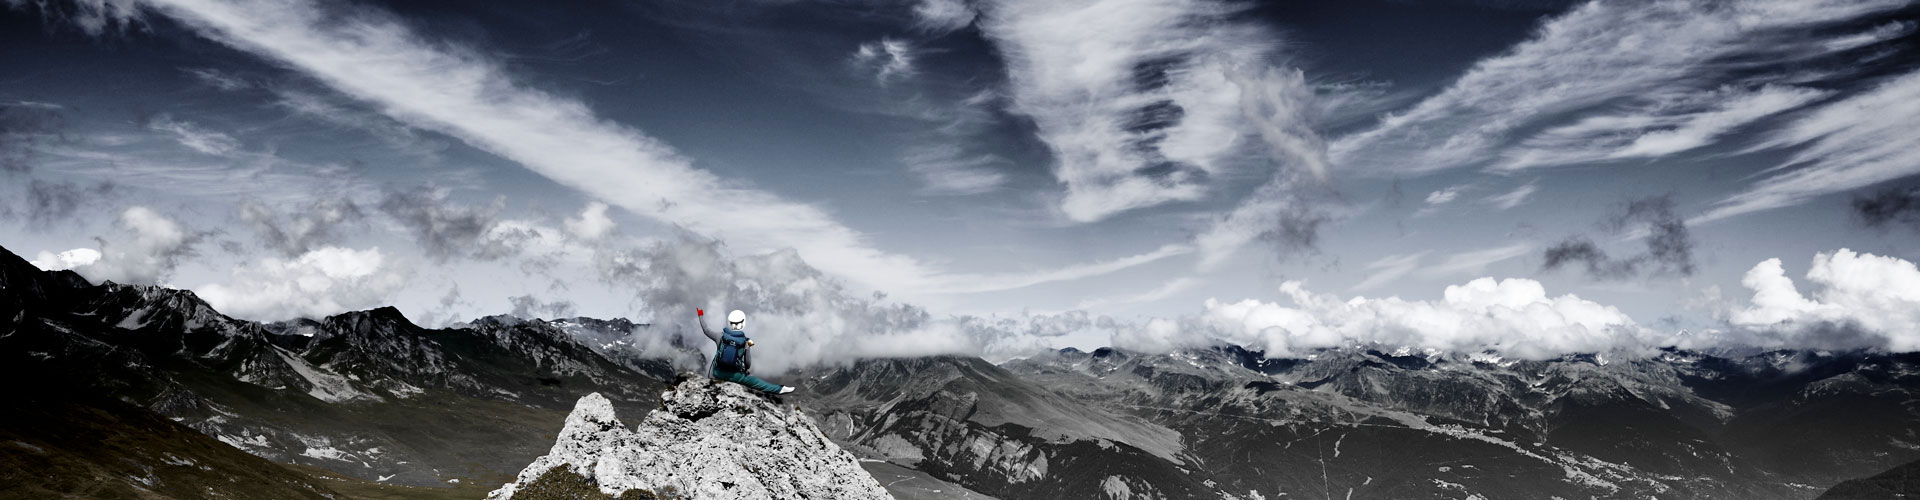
x=730, y=361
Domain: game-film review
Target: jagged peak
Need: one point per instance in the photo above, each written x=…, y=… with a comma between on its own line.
x=500, y=320
x=378, y=315
x=709, y=440
x=23, y=282
x=153, y=303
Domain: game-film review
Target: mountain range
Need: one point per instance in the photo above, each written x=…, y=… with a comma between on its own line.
x=140, y=392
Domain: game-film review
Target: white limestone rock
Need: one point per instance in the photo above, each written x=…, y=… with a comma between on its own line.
x=710, y=440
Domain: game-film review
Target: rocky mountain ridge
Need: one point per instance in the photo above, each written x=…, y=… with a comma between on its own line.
x=1438, y=425
x=369, y=394
x=709, y=440
x=365, y=393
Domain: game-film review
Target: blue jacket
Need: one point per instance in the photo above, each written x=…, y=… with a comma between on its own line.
x=717, y=337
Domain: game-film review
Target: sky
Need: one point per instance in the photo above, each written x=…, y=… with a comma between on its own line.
x=992, y=177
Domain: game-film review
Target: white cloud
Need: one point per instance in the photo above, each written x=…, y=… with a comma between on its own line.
x=1853, y=143
x=943, y=15
x=1389, y=268
x=592, y=223
x=1514, y=317
x=1594, y=55
x=78, y=257
x=1003, y=281
x=1518, y=196
x=439, y=87
x=196, y=137
x=1859, y=301
x=1447, y=195
x=951, y=155
x=1663, y=126
x=1438, y=199
x=1476, y=261
x=155, y=247
x=1142, y=101
x=889, y=59
x=1168, y=289
x=948, y=169
x=96, y=17
x=219, y=79
x=1876, y=35
x=322, y=282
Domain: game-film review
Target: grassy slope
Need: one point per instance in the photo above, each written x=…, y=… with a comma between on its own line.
x=360, y=489
x=59, y=447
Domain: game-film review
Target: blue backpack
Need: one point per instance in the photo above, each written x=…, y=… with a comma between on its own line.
x=733, y=352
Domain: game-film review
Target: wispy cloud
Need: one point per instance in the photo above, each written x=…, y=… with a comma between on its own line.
x=219, y=79
x=1476, y=261
x=944, y=15
x=1446, y=195
x=433, y=85
x=1518, y=196
x=1598, y=54
x=948, y=168
x=95, y=17
x=888, y=59
x=1143, y=102
x=1004, y=281
x=1661, y=126
x=951, y=153
x=1850, y=144
x=1879, y=34
x=194, y=136
x=1389, y=268
x=1162, y=292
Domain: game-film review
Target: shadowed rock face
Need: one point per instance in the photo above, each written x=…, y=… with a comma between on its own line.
x=709, y=440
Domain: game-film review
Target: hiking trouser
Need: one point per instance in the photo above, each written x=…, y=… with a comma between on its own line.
x=746, y=380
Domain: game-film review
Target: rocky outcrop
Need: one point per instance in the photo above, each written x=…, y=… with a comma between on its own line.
x=709, y=440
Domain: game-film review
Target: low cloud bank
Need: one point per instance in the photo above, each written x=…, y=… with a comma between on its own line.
x=1857, y=301
x=1514, y=316
x=150, y=248
x=321, y=282
x=1854, y=301
x=799, y=315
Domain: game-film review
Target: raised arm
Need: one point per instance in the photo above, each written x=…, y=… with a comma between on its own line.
x=711, y=333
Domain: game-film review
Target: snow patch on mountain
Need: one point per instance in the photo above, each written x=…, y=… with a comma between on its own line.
x=326, y=385
x=710, y=440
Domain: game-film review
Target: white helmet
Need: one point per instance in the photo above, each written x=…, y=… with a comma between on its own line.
x=736, y=317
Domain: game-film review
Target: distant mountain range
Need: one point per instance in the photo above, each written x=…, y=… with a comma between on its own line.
x=109, y=381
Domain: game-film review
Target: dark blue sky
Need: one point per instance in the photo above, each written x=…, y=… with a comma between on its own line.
x=1168, y=164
